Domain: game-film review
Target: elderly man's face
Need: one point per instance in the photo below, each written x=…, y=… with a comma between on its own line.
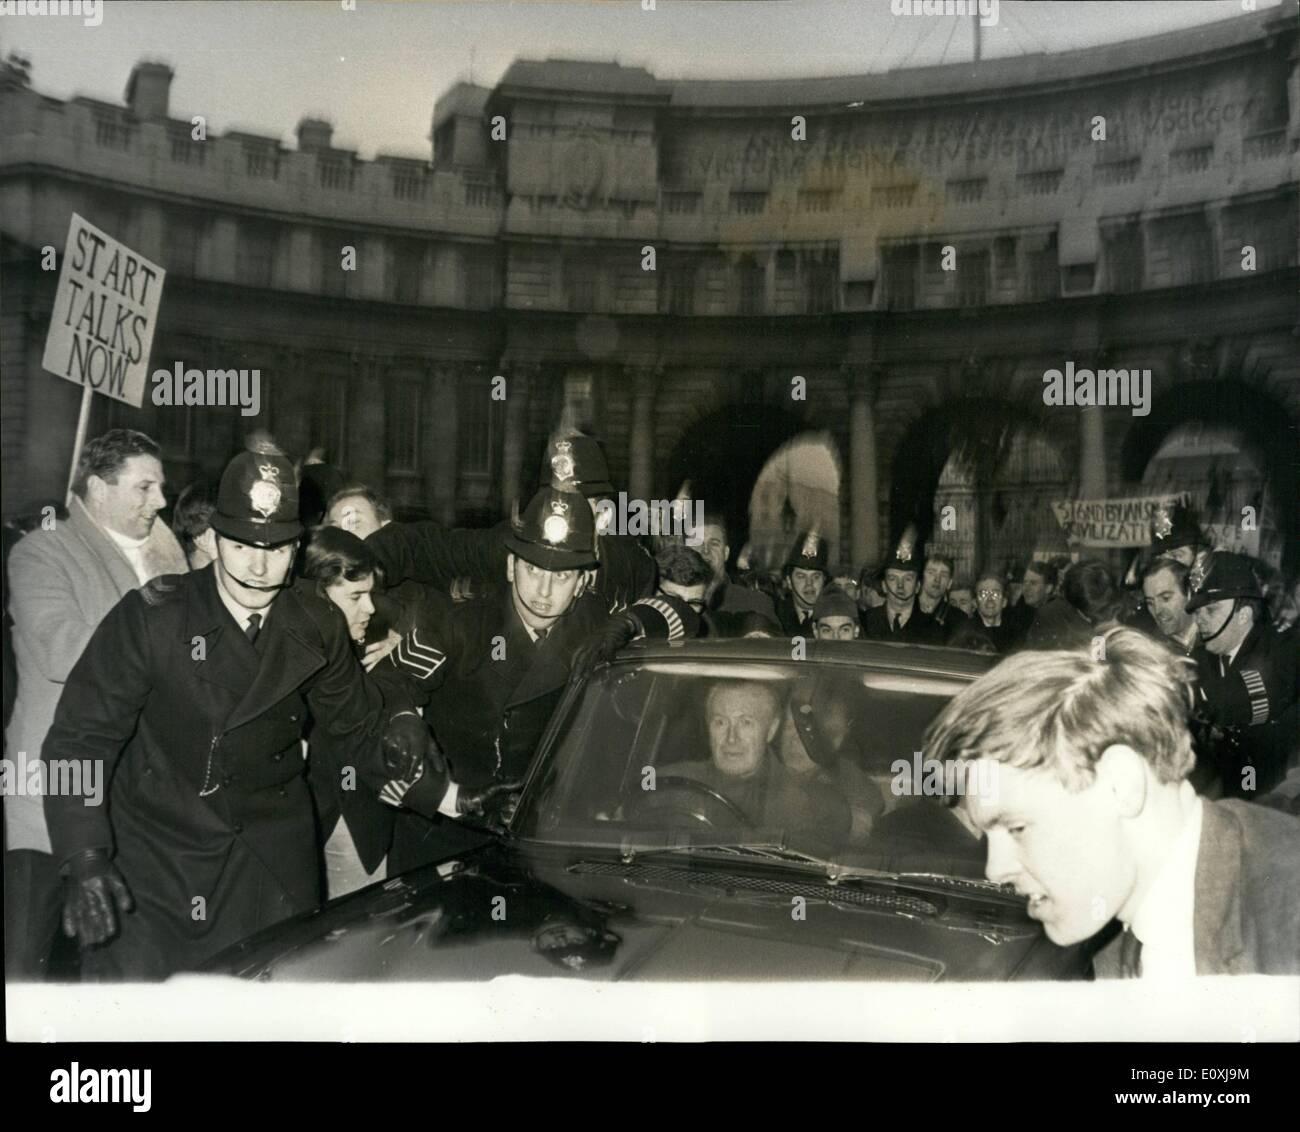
x=1167, y=602
x=936, y=580
x=990, y=598
x=1036, y=589
x=130, y=505
x=806, y=585
x=1065, y=850
x=836, y=628
x=354, y=513
x=743, y=720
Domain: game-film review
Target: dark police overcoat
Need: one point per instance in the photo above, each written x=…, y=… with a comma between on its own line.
x=490, y=693
x=198, y=733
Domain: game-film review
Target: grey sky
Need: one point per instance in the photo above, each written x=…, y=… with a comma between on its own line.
x=376, y=71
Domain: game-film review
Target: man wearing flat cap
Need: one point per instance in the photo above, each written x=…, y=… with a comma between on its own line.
x=1247, y=689
x=190, y=702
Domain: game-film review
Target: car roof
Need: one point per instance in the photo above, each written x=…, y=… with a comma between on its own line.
x=881, y=655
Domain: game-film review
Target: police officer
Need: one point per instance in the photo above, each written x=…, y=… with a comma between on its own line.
x=494, y=668
x=188, y=707
x=1247, y=675
x=806, y=569
x=430, y=553
x=901, y=617
x=1175, y=534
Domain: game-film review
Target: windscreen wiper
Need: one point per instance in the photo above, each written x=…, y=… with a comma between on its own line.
x=771, y=851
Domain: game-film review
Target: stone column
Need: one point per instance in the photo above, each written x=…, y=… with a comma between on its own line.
x=519, y=381
x=1092, y=453
x=366, y=440
x=864, y=515
x=440, y=440
x=641, y=438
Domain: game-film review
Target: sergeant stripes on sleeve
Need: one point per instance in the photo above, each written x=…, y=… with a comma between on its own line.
x=1258, y=694
x=676, y=630
x=417, y=656
x=395, y=790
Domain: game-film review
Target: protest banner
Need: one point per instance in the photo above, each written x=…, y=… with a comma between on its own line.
x=103, y=320
x=1111, y=522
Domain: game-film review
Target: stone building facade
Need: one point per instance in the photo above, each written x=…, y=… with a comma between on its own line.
x=657, y=261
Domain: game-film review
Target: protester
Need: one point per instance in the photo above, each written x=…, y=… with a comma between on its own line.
x=726, y=596
x=835, y=616
x=1093, y=819
x=63, y=579
x=990, y=610
x=933, y=599
x=354, y=849
x=190, y=702
x=1164, y=586
x=192, y=524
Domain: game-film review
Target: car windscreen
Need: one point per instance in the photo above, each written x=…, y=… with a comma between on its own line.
x=817, y=757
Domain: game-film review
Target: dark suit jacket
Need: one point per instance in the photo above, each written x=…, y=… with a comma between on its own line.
x=1247, y=914
x=199, y=733
x=788, y=617
x=920, y=629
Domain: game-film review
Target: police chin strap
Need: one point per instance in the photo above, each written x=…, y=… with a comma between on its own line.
x=1236, y=604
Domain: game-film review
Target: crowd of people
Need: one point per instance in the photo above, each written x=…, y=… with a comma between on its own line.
x=288, y=694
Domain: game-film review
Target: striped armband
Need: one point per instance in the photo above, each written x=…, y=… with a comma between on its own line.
x=671, y=628
x=1258, y=694
x=395, y=790
x=418, y=657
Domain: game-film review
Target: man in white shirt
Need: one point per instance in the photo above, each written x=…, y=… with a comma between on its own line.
x=1093, y=819
x=63, y=578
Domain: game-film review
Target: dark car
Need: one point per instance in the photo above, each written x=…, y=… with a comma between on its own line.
x=707, y=810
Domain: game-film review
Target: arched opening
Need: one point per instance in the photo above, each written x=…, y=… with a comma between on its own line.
x=797, y=490
x=1229, y=447
x=997, y=468
x=723, y=454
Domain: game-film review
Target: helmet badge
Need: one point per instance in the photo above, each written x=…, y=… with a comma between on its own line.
x=264, y=494
x=562, y=462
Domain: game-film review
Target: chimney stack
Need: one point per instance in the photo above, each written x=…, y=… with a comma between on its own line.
x=148, y=90
x=314, y=134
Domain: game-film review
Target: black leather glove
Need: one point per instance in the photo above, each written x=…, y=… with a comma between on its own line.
x=478, y=802
x=407, y=743
x=94, y=896
x=603, y=644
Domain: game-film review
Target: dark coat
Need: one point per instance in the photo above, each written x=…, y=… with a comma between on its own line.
x=921, y=628
x=788, y=617
x=199, y=734
x=490, y=692
x=1252, y=708
x=1246, y=916
x=435, y=555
